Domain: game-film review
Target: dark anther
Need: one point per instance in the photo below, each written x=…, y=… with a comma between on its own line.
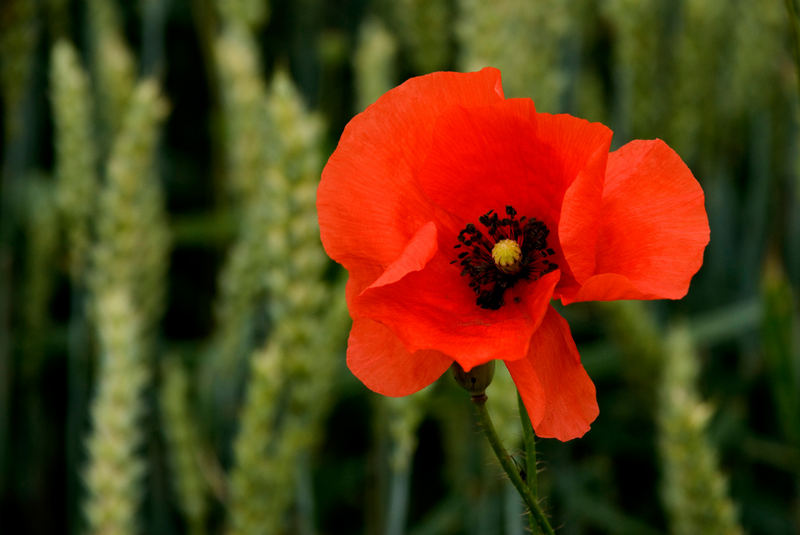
x=488, y=281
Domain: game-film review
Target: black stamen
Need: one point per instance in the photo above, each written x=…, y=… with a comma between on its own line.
x=488, y=281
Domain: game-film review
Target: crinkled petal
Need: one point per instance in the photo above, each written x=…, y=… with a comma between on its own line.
x=653, y=228
x=419, y=250
x=435, y=309
x=583, y=147
x=529, y=387
x=383, y=364
x=487, y=158
x=561, y=402
x=368, y=202
x=506, y=154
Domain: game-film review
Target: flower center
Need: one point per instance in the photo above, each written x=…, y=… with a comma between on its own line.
x=506, y=255
x=509, y=251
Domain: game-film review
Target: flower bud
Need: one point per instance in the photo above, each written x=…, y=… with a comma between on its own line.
x=476, y=380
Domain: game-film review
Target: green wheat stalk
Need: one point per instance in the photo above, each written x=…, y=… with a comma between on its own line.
x=694, y=490
x=115, y=469
x=290, y=380
x=76, y=155
x=522, y=39
x=126, y=281
x=183, y=445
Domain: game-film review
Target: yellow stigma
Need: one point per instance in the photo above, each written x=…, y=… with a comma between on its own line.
x=506, y=255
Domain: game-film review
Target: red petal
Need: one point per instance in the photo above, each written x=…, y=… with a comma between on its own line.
x=529, y=387
x=419, y=250
x=563, y=403
x=506, y=154
x=583, y=147
x=380, y=361
x=488, y=158
x=653, y=229
x=435, y=309
x=368, y=202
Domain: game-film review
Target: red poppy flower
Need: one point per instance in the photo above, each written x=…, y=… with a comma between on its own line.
x=460, y=215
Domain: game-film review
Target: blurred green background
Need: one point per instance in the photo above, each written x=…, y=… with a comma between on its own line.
x=172, y=335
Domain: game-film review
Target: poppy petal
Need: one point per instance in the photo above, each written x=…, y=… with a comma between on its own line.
x=529, y=387
x=583, y=147
x=419, y=250
x=487, y=158
x=653, y=228
x=564, y=387
x=383, y=364
x=506, y=154
x=368, y=187
x=435, y=309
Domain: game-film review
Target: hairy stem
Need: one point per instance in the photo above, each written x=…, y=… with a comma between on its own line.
x=508, y=464
x=529, y=441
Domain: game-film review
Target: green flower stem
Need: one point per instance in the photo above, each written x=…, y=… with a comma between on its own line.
x=529, y=441
x=508, y=464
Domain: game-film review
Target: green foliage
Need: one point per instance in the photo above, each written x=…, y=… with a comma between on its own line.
x=374, y=62
x=425, y=29
x=296, y=366
x=76, y=155
x=635, y=330
x=780, y=327
x=114, y=68
x=251, y=13
x=695, y=493
x=115, y=472
x=41, y=236
x=183, y=445
x=640, y=29
x=536, y=32
x=242, y=286
x=503, y=407
x=118, y=244
x=19, y=33
x=132, y=238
